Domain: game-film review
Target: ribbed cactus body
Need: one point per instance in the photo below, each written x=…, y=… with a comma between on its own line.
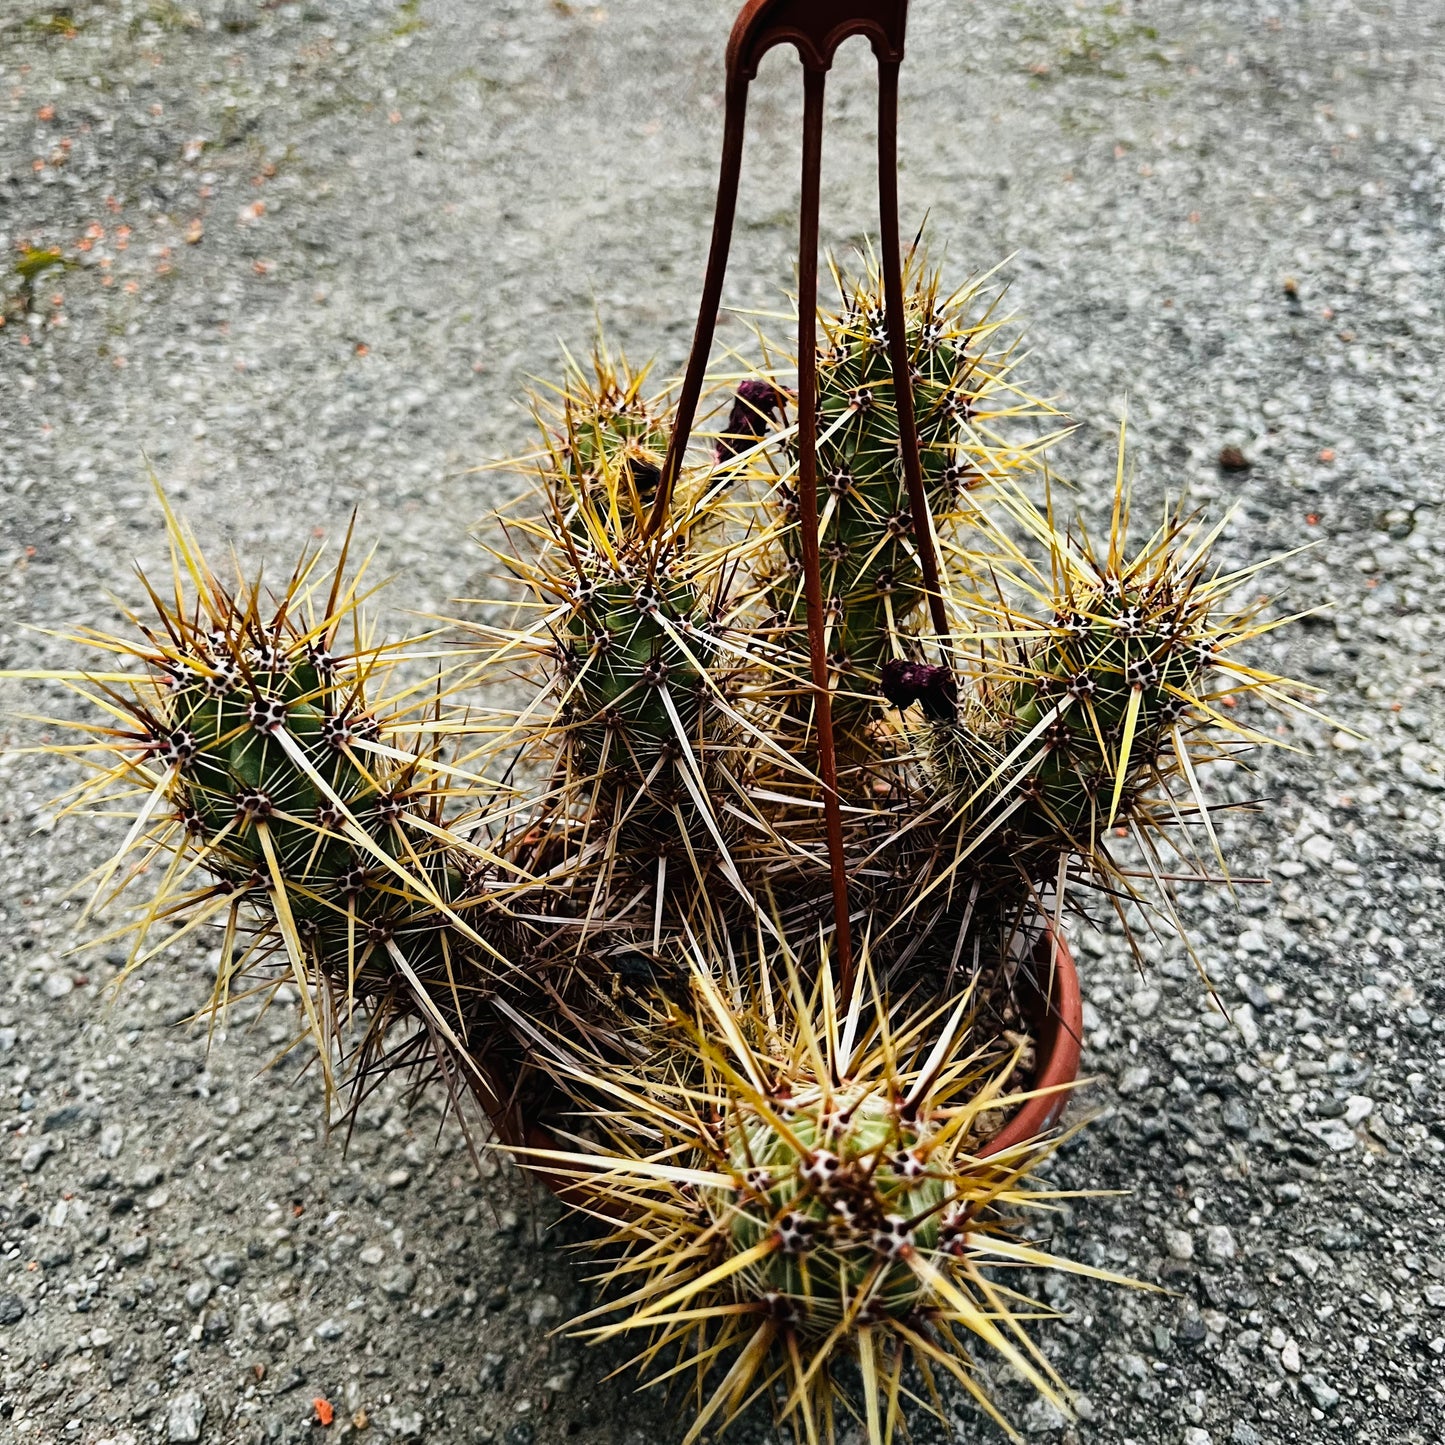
x=272, y=780
x=606, y=442
x=843, y=1194
x=870, y=570
x=635, y=645
x=1111, y=644
x=224, y=708
x=1087, y=716
x=965, y=407
x=617, y=432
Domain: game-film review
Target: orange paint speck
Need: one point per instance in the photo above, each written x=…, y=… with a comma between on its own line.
x=325, y=1412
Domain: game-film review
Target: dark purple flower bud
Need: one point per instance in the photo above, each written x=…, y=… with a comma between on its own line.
x=933, y=688
x=756, y=403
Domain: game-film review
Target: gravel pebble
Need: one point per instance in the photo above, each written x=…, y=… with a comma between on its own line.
x=185, y=1418
x=1219, y=1243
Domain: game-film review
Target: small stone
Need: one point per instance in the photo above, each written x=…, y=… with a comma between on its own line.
x=1326, y=1396
x=1195, y=1436
x=1318, y=848
x=403, y=1424
x=184, y=1418
x=1231, y=459
x=1289, y=1356
x=12, y=1309
x=398, y=1179
x=225, y=1268
x=1134, y=1080
x=1256, y=997
x=373, y=1255
x=198, y=1293
x=1243, y=1019
x=1219, y=1243
x=1235, y=1117
x=330, y=1330
x=36, y=1155
x=1191, y=1327
x=1358, y=1108
x=278, y=1315
x=542, y=1309
x=1244, y=1434
x=132, y=1251
x=1304, y=1261
x=147, y=1177
x=111, y=1138
x=60, y=1119
x=398, y=1282
x=1179, y=1243
x=57, y=985
x=1042, y=1418
x=1333, y=1134
x=1145, y=1002
x=216, y=1325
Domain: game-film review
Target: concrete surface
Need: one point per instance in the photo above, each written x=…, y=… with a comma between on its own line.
x=312, y=252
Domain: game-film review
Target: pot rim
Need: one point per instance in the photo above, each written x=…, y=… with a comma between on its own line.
x=1058, y=1025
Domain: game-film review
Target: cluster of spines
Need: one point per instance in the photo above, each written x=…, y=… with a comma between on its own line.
x=300, y=798
x=1095, y=693
x=810, y=1199
x=604, y=441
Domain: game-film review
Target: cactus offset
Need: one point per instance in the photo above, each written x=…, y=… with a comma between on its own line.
x=966, y=406
x=806, y=1198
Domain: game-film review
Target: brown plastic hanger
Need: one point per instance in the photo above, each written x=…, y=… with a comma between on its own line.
x=816, y=28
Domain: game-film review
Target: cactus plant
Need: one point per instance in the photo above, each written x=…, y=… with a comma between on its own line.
x=608, y=908
x=968, y=408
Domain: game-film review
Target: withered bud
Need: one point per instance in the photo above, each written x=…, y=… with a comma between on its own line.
x=933, y=688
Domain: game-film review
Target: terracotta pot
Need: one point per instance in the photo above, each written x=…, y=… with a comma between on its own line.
x=1058, y=1027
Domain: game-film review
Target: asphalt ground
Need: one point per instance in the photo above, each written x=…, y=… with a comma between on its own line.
x=312, y=252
